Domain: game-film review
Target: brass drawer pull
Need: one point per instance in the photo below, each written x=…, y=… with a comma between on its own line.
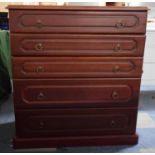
x=40, y=96
x=120, y=24
x=40, y=69
x=41, y=125
x=39, y=47
x=39, y=24
x=118, y=47
x=113, y=124
x=115, y=95
x=116, y=68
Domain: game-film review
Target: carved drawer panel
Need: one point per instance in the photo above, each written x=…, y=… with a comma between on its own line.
x=94, y=92
x=75, y=122
x=45, y=67
x=59, y=21
x=84, y=45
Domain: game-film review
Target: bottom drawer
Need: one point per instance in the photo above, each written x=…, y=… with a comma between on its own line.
x=75, y=122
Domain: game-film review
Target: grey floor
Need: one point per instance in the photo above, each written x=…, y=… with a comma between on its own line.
x=145, y=129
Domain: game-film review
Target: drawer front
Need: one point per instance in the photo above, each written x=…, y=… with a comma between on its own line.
x=75, y=122
x=46, y=67
x=76, y=92
x=72, y=45
x=57, y=21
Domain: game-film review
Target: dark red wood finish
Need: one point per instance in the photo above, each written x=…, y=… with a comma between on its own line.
x=76, y=93
x=77, y=45
x=76, y=74
x=45, y=142
x=80, y=8
x=68, y=21
x=76, y=67
x=75, y=122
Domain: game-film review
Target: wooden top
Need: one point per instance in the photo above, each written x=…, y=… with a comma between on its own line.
x=97, y=8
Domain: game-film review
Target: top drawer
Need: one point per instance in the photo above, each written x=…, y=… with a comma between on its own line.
x=75, y=21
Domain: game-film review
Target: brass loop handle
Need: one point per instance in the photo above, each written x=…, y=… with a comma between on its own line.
x=116, y=68
x=39, y=24
x=41, y=124
x=113, y=123
x=115, y=95
x=118, y=47
x=40, y=96
x=40, y=69
x=120, y=24
x=39, y=47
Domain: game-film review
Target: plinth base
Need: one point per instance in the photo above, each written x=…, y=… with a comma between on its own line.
x=19, y=143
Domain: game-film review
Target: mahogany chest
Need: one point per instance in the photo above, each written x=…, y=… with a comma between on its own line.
x=76, y=74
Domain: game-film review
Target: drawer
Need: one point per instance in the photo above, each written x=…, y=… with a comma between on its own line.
x=82, y=92
x=48, y=67
x=77, y=45
x=75, y=122
x=59, y=21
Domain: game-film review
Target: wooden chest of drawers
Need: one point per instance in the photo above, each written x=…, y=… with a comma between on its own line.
x=76, y=74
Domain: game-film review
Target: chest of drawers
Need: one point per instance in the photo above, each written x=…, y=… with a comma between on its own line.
x=76, y=74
